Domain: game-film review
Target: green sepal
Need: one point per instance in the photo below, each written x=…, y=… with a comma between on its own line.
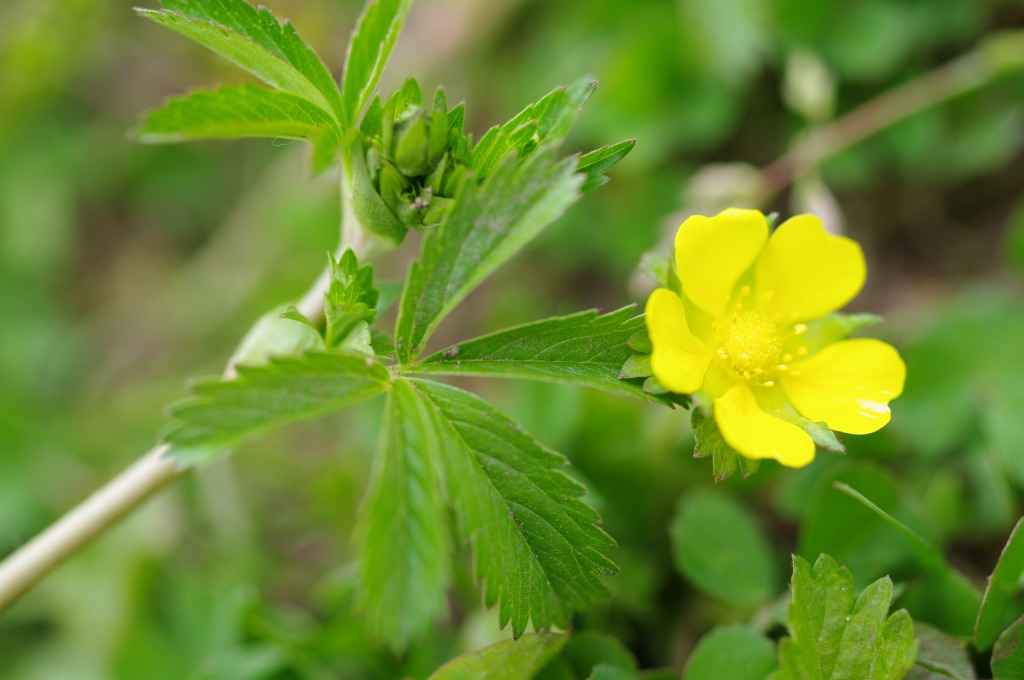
x=636, y=366
x=373, y=119
x=708, y=441
x=640, y=342
x=410, y=148
x=371, y=211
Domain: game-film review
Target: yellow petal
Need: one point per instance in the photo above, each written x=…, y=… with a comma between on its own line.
x=679, y=360
x=713, y=252
x=847, y=385
x=805, y=272
x=748, y=429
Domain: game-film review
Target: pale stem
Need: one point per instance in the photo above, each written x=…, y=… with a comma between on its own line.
x=32, y=562
x=958, y=77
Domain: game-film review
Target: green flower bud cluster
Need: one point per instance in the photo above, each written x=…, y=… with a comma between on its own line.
x=408, y=163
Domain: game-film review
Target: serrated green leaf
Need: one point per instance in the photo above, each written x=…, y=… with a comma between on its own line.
x=368, y=51
x=733, y=652
x=1008, y=653
x=233, y=112
x=998, y=606
x=263, y=28
x=263, y=397
x=832, y=636
x=486, y=225
x=404, y=529
x=543, y=123
x=599, y=161
x=507, y=660
x=939, y=656
x=580, y=349
x=721, y=550
x=243, y=52
x=536, y=545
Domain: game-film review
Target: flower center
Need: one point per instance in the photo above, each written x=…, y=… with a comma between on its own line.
x=750, y=344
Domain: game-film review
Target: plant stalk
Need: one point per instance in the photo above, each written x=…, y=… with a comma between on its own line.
x=32, y=562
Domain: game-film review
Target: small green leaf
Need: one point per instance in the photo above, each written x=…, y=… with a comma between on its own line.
x=368, y=51
x=233, y=112
x=350, y=304
x=403, y=528
x=507, y=660
x=243, y=51
x=939, y=656
x=260, y=26
x=485, y=226
x=580, y=349
x=536, y=545
x=263, y=397
x=720, y=548
x=835, y=327
x=636, y=366
x=1008, y=653
x=603, y=671
x=733, y=652
x=588, y=649
x=596, y=163
x=833, y=636
x=999, y=607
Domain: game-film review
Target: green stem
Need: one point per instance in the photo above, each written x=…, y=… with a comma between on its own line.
x=32, y=562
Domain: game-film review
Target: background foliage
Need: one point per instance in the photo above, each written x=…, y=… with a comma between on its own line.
x=109, y=252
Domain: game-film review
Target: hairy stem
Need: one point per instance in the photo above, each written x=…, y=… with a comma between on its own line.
x=32, y=562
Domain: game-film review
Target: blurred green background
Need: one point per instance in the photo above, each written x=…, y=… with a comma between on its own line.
x=126, y=269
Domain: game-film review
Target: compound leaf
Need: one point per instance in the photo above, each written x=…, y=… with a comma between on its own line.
x=260, y=398
x=833, y=635
x=404, y=527
x=233, y=112
x=536, y=545
x=583, y=349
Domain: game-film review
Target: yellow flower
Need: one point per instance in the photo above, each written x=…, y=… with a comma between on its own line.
x=745, y=334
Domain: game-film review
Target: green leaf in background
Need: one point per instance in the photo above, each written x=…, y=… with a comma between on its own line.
x=719, y=547
x=580, y=349
x=536, y=545
x=269, y=66
x=838, y=525
x=485, y=226
x=999, y=606
x=263, y=397
x=708, y=441
x=834, y=635
x=944, y=597
x=260, y=26
x=939, y=656
x=368, y=52
x=233, y=112
x=589, y=649
x=1008, y=653
x=603, y=671
x=734, y=652
x=600, y=161
x=507, y=660
x=404, y=528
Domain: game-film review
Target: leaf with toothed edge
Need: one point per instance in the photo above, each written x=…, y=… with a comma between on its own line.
x=284, y=390
x=536, y=546
x=585, y=349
